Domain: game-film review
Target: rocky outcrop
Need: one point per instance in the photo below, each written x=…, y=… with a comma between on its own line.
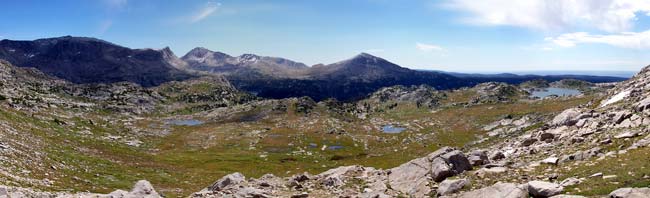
x=416, y=178
x=544, y=189
x=498, y=190
x=142, y=189
x=630, y=193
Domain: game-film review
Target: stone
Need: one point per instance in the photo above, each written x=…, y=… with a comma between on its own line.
x=411, y=177
x=597, y=175
x=143, y=189
x=451, y=186
x=546, y=137
x=440, y=170
x=551, y=160
x=478, y=157
x=528, y=141
x=459, y=163
x=630, y=193
x=498, y=190
x=252, y=192
x=626, y=134
x=544, y=189
x=567, y=117
x=225, y=181
x=571, y=181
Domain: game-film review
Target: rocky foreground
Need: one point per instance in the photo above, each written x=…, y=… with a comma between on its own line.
x=423, y=177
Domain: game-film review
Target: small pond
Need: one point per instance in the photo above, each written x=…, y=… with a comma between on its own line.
x=335, y=147
x=187, y=122
x=392, y=129
x=554, y=91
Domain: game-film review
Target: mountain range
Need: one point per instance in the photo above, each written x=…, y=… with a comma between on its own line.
x=90, y=60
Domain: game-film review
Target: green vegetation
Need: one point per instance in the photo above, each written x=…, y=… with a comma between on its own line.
x=282, y=142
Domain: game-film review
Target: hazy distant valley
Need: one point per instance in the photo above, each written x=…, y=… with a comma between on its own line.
x=80, y=116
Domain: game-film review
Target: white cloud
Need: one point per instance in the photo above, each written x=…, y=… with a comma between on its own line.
x=607, y=15
x=205, y=12
x=428, y=47
x=633, y=40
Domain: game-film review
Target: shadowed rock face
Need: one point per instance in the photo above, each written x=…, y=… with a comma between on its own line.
x=88, y=60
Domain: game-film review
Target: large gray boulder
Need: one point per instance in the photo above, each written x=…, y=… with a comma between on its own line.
x=411, y=178
x=567, y=117
x=630, y=193
x=451, y=186
x=498, y=190
x=225, y=181
x=414, y=177
x=544, y=189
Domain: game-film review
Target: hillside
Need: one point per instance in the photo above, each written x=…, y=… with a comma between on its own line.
x=182, y=136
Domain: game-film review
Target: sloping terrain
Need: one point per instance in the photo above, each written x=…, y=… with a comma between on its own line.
x=183, y=136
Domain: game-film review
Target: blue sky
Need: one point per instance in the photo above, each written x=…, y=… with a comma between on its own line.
x=452, y=35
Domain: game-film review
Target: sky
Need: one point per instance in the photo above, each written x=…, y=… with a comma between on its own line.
x=450, y=35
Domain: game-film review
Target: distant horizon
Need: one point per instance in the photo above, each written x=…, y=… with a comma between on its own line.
x=418, y=34
x=612, y=73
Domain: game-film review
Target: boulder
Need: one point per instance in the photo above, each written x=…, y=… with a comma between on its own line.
x=143, y=189
x=544, y=189
x=225, y=181
x=630, y=193
x=567, y=117
x=551, y=160
x=478, y=157
x=411, y=178
x=626, y=134
x=498, y=190
x=440, y=170
x=459, y=163
x=451, y=186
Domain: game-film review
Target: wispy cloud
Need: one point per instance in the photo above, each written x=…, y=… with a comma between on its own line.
x=104, y=26
x=428, y=47
x=632, y=40
x=205, y=12
x=607, y=15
